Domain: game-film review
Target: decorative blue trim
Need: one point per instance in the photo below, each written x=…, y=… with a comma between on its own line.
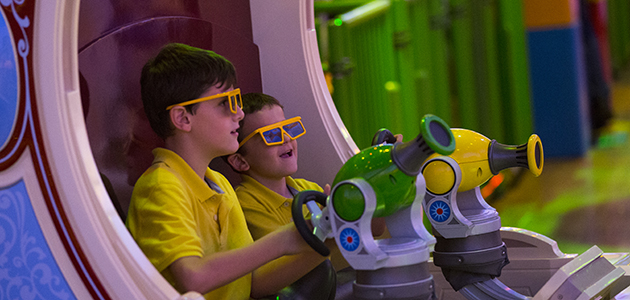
x=24, y=50
x=439, y=211
x=349, y=239
x=8, y=83
x=27, y=268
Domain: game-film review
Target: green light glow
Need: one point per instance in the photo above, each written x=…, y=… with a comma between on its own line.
x=392, y=86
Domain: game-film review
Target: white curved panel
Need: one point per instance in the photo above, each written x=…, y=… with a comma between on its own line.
x=119, y=265
x=291, y=71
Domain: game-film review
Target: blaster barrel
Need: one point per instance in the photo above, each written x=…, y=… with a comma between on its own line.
x=435, y=137
x=528, y=155
x=480, y=158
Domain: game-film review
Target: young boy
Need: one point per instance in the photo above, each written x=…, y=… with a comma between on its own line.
x=266, y=165
x=185, y=217
x=267, y=188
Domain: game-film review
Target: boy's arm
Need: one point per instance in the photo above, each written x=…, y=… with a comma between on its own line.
x=204, y=274
x=282, y=272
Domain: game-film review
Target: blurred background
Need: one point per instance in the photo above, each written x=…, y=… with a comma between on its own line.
x=505, y=69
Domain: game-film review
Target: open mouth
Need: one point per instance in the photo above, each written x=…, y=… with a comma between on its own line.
x=287, y=154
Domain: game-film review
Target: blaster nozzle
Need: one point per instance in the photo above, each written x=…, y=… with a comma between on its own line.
x=435, y=137
x=528, y=155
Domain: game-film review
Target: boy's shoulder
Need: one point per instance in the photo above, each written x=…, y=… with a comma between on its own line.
x=170, y=171
x=166, y=167
x=251, y=189
x=162, y=184
x=249, y=186
x=302, y=184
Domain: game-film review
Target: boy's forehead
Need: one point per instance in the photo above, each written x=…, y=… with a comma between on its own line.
x=266, y=116
x=215, y=89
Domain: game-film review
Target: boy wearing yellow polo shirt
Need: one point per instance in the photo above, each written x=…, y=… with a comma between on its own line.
x=266, y=164
x=185, y=217
x=266, y=159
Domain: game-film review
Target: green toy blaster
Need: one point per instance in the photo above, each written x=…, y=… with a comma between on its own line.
x=380, y=181
x=385, y=181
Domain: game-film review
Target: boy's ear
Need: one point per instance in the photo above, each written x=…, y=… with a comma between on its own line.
x=238, y=162
x=180, y=118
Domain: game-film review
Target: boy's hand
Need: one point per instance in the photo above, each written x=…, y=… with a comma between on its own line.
x=399, y=138
x=327, y=189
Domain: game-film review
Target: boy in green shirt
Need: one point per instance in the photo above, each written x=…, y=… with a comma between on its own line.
x=185, y=217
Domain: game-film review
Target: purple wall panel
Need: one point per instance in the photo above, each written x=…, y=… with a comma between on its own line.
x=116, y=38
x=97, y=17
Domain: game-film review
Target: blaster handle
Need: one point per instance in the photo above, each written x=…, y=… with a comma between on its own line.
x=300, y=223
x=383, y=135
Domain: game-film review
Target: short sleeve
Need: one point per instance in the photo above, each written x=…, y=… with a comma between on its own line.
x=163, y=224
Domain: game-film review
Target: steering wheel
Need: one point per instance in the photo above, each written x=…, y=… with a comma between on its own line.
x=307, y=197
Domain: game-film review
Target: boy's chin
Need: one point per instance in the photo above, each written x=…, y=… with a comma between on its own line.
x=291, y=170
x=230, y=151
x=234, y=148
x=285, y=171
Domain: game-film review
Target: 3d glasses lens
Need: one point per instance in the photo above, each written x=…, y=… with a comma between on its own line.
x=235, y=100
x=294, y=129
x=273, y=136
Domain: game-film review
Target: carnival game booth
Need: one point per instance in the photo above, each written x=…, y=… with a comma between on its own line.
x=73, y=136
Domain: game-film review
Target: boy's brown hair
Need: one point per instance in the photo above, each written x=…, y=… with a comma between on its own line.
x=180, y=73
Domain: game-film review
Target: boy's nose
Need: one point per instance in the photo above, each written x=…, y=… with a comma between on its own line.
x=287, y=138
x=239, y=113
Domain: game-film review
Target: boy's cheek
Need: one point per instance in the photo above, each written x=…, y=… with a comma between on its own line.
x=259, y=147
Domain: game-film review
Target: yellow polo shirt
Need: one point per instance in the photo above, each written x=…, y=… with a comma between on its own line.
x=173, y=213
x=266, y=210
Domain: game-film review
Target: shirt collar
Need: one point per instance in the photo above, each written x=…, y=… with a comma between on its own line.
x=292, y=185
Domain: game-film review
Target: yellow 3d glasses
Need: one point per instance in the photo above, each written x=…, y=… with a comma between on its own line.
x=274, y=134
x=234, y=98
